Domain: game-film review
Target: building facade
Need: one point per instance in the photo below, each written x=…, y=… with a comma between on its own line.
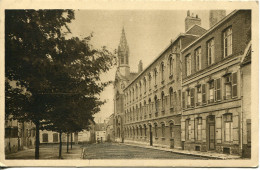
x=211, y=80
x=152, y=100
x=194, y=95
x=18, y=135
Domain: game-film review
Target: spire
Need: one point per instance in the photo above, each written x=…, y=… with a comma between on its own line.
x=123, y=38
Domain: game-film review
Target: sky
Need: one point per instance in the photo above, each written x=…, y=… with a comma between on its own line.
x=148, y=32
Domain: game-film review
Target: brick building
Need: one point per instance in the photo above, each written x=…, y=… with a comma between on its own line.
x=211, y=81
x=152, y=100
x=194, y=95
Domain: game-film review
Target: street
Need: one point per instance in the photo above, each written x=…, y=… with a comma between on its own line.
x=121, y=151
x=100, y=151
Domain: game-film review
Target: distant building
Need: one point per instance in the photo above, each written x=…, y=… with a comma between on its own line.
x=18, y=136
x=110, y=129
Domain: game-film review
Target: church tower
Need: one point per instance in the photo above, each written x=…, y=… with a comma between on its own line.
x=123, y=56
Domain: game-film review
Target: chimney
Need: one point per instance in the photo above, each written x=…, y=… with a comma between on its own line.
x=215, y=16
x=140, y=66
x=190, y=21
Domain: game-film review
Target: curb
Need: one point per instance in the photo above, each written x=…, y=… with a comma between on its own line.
x=166, y=150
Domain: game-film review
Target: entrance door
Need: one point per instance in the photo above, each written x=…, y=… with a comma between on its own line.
x=151, y=135
x=211, y=132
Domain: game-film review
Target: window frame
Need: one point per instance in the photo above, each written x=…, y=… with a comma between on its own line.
x=227, y=41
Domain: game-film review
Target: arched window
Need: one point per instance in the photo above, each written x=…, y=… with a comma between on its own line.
x=144, y=130
x=163, y=130
x=144, y=84
x=171, y=97
x=162, y=71
x=155, y=76
x=156, y=104
x=136, y=90
x=150, y=81
x=156, y=130
x=140, y=87
x=136, y=110
x=144, y=109
x=163, y=101
x=171, y=131
x=140, y=111
x=171, y=65
x=149, y=108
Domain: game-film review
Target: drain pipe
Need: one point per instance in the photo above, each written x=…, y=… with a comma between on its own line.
x=241, y=112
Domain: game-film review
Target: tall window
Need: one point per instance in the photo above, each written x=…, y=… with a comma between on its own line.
x=144, y=111
x=228, y=127
x=122, y=59
x=217, y=90
x=45, y=137
x=171, y=97
x=204, y=99
x=198, y=58
x=192, y=99
x=199, y=129
x=188, y=64
x=145, y=130
x=144, y=85
x=188, y=129
x=163, y=130
x=234, y=85
x=140, y=111
x=162, y=71
x=133, y=94
x=150, y=79
x=211, y=91
x=156, y=104
x=199, y=95
x=183, y=100
x=171, y=130
x=155, y=76
x=140, y=87
x=171, y=65
x=163, y=100
x=155, y=130
x=228, y=86
x=136, y=90
x=188, y=98
x=55, y=137
x=211, y=51
x=227, y=37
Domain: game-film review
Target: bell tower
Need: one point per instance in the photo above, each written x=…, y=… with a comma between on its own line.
x=123, y=55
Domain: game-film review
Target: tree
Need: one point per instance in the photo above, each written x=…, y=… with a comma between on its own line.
x=57, y=78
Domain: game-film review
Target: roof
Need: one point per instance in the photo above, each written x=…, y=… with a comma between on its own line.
x=211, y=29
x=196, y=30
x=171, y=43
x=246, y=59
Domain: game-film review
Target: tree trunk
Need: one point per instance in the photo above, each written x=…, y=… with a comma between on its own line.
x=37, y=139
x=60, y=148
x=71, y=141
x=68, y=142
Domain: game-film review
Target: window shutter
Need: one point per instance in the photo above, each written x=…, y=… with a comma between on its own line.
x=218, y=89
x=192, y=97
x=183, y=99
x=203, y=94
x=215, y=90
x=234, y=85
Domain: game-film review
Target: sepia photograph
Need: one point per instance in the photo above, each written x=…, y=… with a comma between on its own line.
x=101, y=85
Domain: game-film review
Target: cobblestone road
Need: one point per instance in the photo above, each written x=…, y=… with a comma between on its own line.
x=121, y=151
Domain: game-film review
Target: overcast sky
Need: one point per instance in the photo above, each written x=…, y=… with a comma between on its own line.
x=148, y=32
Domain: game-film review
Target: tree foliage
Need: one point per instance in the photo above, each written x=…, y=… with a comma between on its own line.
x=57, y=79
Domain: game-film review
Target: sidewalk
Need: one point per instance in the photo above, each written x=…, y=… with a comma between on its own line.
x=48, y=152
x=186, y=152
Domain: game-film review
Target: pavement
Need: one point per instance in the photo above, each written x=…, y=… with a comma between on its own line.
x=48, y=152
x=209, y=154
x=117, y=151
x=122, y=151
